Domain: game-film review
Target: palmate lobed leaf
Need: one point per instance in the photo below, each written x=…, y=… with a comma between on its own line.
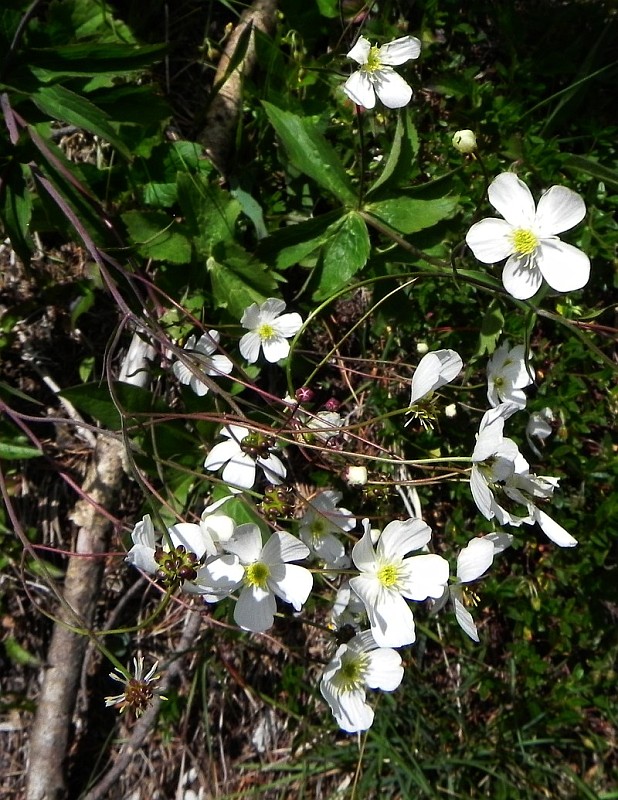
x=311, y=153
x=409, y=215
x=345, y=253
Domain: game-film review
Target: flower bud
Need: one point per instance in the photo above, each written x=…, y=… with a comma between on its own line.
x=355, y=476
x=464, y=141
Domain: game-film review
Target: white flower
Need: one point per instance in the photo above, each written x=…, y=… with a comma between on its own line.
x=472, y=562
x=527, y=238
x=141, y=555
x=507, y=374
x=240, y=454
x=268, y=329
x=464, y=141
x=203, y=361
x=539, y=426
x=434, y=370
x=386, y=578
x=266, y=573
x=501, y=477
x=319, y=524
x=347, y=608
x=357, y=665
x=376, y=75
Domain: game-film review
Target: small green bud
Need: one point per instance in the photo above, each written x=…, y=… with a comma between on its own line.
x=464, y=141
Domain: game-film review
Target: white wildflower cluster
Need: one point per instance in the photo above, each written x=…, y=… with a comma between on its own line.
x=388, y=572
x=380, y=577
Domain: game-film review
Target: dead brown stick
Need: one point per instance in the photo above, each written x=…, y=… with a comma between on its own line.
x=50, y=729
x=217, y=135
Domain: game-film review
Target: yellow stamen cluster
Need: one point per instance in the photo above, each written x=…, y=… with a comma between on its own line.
x=373, y=60
x=266, y=332
x=525, y=241
x=351, y=675
x=257, y=575
x=388, y=575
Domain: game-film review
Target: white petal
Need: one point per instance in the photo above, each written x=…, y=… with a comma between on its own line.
x=349, y=708
x=399, y=538
x=275, y=349
x=220, y=454
x=282, y=547
x=143, y=532
x=391, y=619
x=363, y=554
x=425, y=576
x=384, y=671
x=359, y=89
x=220, y=365
x=360, y=51
x=491, y=240
x=293, y=584
x=271, y=308
x=251, y=317
x=564, y=267
x=246, y=543
x=193, y=538
x=391, y=88
x=520, y=280
x=559, y=209
x=240, y=471
x=553, y=531
x=219, y=576
x=142, y=557
x=500, y=540
x=288, y=324
x=474, y=559
x=400, y=50
x=481, y=493
x=434, y=370
x=465, y=620
x=255, y=610
x=273, y=468
x=249, y=347
x=207, y=343
x=511, y=197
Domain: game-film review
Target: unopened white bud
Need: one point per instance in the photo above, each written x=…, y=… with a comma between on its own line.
x=450, y=411
x=422, y=348
x=356, y=476
x=464, y=141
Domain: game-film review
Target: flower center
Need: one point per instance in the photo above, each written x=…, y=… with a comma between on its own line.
x=318, y=530
x=266, y=332
x=176, y=565
x=525, y=241
x=257, y=575
x=387, y=575
x=350, y=676
x=373, y=60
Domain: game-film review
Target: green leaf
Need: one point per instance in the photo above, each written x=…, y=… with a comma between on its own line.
x=345, y=253
x=287, y=246
x=590, y=167
x=88, y=59
x=400, y=165
x=492, y=325
x=16, y=210
x=309, y=152
x=156, y=236
x=67, y=106
x=95, y=400
x=209, y=212
x=408, y=215
x=18, y=654
x=232, y=289
x=14, y=451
